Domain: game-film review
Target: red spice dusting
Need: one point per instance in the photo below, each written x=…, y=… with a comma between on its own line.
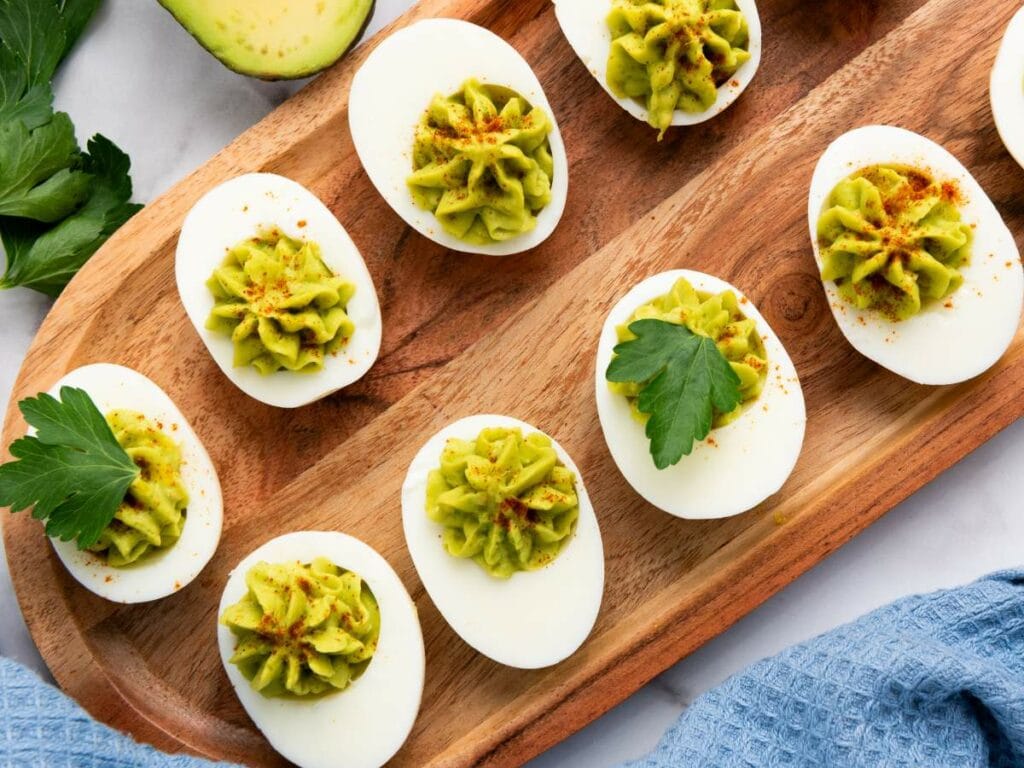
x=108, y=579
x=302, y=224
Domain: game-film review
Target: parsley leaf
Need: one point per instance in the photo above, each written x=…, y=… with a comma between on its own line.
x=45, y=259
x=76, y=15
x=36, y=181
x=57, y=205
x=35, y=32
x=687, y=380
x=72, y=472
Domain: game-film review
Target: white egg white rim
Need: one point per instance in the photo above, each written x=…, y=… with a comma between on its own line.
x=437, y=56
x=239, y=209
x=162, y=573
x=939, y=345
x=385, y=699
x=1006, y=88
x=584, y=24
x=532, y=620
x=742, y=463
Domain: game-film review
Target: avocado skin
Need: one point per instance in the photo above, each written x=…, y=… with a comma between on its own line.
x=168, y=5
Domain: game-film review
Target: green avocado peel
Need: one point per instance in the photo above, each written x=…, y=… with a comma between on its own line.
x=303, y=630
x=892, y=239
x=280, y=304
x=274, y=39
x=504, y=500
x=482, y=163
x=674, y=54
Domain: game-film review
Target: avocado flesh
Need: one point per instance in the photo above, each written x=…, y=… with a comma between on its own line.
x=274, y=39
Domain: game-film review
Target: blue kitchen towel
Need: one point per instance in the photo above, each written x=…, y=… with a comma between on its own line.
x=934, y=681
x=40, y=727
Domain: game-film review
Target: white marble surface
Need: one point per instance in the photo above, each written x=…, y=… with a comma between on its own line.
x=140, y=79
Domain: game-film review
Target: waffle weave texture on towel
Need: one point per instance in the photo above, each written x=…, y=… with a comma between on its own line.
x=932, y=681
x=40, y=727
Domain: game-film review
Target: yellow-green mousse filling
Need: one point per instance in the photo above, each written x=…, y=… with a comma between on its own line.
x=303, y=630
x=482, y=163
x=505, y=500
x=892, y=239
x=674, y=54
x=281, y=305
x=152, y=515
x=716, y=316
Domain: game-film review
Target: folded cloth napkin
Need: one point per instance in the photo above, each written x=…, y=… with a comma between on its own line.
x=934, y=681
x=40, y=727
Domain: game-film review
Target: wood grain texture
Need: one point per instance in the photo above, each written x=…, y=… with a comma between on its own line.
x=469, y=334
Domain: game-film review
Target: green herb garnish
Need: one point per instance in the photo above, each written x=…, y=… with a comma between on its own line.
x=687, y=380
x=72, y=472
x=58, y=205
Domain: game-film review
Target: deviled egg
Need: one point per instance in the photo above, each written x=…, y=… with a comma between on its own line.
x=921, y=273
x=169, y=524
x=666, y=62
x=454, y=130
x=1006, y=88
x=747, y=446
x=277, y=290
x=504, y=538
x=323, y=647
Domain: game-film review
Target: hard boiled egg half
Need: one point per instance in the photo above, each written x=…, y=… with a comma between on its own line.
x=365, y=724
x=740, y=464
x=1006, y=88
x=946, y=341
x=530, y=620
x=392, y=91
x=584, y=23
x=240, y=209
x=164, y=572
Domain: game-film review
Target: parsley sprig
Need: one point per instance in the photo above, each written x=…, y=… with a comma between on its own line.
x=687, y=378
x=72, y=472
x=58, y=205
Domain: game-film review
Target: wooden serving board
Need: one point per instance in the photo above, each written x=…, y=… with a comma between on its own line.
x=466, y=334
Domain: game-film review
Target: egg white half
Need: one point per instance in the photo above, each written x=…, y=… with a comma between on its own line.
x=939, y=345
x=740, y=464
x=533, y=619
x=584, y=23
x=239, y=209
x=394, y=87
x=165, y=572
x=364, y=725
x=1006, y=88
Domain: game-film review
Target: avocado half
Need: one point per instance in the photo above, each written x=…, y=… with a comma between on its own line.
x=274, y=39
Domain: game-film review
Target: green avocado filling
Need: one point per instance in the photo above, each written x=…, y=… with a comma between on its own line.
x=303, y=630
x=892, y=240
x=280, y=304
x=505, y=500
x=482, y=163
x=716, y=316
x=674, y=54
x=152, y=515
